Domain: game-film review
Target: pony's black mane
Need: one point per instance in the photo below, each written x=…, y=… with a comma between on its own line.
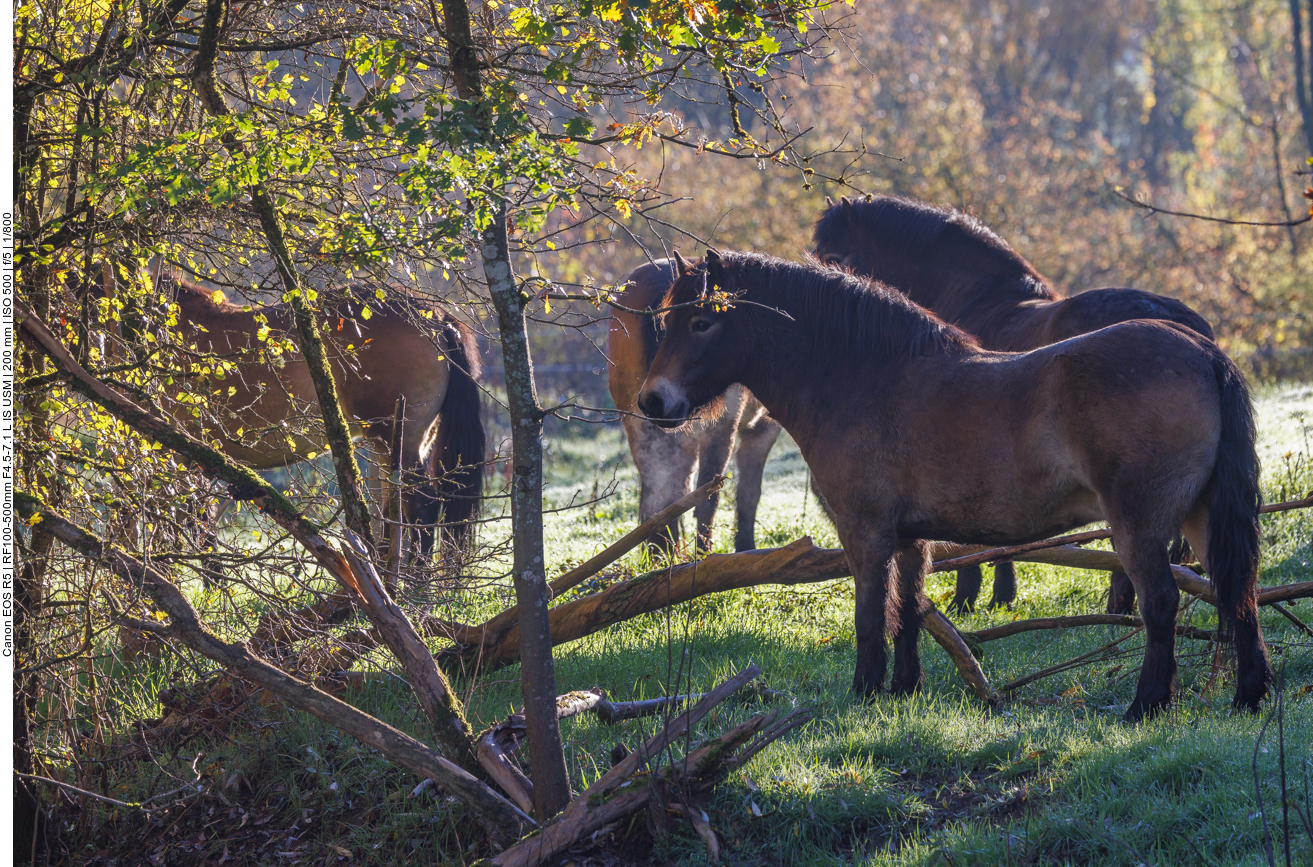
x=845, y=316
x=915, y=230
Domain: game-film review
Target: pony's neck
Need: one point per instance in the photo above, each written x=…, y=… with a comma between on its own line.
x=971, y=286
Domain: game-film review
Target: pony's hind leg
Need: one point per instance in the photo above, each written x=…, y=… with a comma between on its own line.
x=755, y=442
x=1150, y=572
x=1005, y=585
x=966, y=590
x=1121, y=594
x=1253, y=672
x=912, y=562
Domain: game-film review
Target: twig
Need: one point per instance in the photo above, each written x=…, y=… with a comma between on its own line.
x=132, y=805
x=1293, y=619
x=1156, y=210
x=1076, y=662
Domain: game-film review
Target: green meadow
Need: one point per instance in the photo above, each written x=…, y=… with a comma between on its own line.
x=1051, y=776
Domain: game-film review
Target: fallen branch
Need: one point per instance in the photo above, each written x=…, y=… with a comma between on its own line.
x=440, y=705
x=504, y=821
x=1010, y=552
x=1077, y=662
x=495, y=628
x=958, y=650
x=1033, y=624
x=797, y=563
x=620, y=792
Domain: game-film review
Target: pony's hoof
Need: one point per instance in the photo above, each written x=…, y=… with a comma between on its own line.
x=962, y=605
x=1142, y=710
x=1249, y=703
x=866, y=691
x=903, y=690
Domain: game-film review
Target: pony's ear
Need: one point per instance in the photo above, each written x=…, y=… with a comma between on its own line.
x=715, y=270
x=681, y=264
x=829, y=202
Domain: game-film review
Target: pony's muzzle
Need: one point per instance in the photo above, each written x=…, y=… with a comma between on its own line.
x=663, y=405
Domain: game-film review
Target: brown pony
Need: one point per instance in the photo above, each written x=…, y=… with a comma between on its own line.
x=671, y=466
x=442, y=448
x=1145, y=424
x=950, y=264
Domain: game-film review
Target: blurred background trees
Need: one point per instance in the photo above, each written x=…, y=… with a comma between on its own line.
x=1032, y=115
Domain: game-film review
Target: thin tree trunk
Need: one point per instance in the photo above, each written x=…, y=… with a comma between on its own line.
x=30, y=827
x=1303, y=69
x=551, y=784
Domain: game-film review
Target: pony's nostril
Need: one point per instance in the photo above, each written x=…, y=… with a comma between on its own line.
x=652, y=405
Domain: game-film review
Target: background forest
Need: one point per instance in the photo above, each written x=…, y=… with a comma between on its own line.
x=1034, y=116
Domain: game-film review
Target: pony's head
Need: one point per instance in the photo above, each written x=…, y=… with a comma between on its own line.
x=698, y=358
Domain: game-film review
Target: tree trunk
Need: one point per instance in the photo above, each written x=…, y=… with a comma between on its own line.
x=30, y=827
x=551, y=784
x=1303, y=68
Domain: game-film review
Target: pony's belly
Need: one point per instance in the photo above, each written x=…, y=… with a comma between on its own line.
x=1001, y=523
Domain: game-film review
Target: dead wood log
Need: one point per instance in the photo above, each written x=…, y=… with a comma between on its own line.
x=705, y=765
x=615, y=795
x=797, y=563
x=440, y=705
x=503, y=821
x=497, y=626
x=495, y=745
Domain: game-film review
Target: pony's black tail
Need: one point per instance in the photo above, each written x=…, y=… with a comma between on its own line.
x=462, y=444
x=1233, y=532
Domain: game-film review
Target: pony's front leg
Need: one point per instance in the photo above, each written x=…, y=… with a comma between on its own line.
x=872, y=566
x=912, y=561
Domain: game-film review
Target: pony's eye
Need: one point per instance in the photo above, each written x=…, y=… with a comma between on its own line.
x=700, y=325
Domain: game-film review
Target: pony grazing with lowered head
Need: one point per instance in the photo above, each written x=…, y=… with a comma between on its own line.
x=1146, y=425
x=376, y=357
x=954, y=266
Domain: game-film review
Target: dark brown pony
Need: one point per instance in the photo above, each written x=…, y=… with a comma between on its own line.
x=949, y=263
x=442, y=449
x=1145, y=424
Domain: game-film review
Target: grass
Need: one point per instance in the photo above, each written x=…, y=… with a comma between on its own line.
x=1051, y=777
